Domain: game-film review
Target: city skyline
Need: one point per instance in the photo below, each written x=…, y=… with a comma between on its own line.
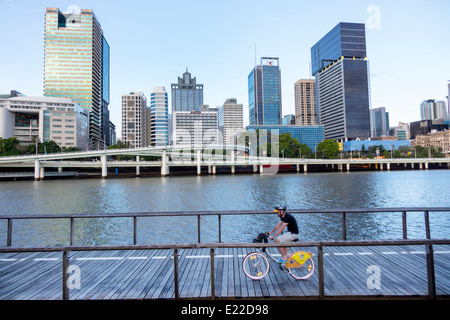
x=229, y=37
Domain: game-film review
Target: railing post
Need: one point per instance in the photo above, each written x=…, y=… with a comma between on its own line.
x=71, y=231
x=198, y=228
x=65, y=276
x=213, y=285
x=134, y=230
x=430, y=272
x=175, y=272
x=220, y=228
x=321, y=276
x=405, y=235
x=344, y=227
x=427, y=225
x=9, y=236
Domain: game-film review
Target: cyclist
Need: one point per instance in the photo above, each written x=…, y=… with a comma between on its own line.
x=286, y=220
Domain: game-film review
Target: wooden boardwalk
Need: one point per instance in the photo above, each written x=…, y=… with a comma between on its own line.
x=149, y=274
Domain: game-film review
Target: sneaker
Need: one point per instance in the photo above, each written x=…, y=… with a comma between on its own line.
x=282, y=261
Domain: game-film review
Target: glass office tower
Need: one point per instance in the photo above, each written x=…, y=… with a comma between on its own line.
x=264, y=93
x=339, y=64
x=76, y=63
x=187, y=95
x=159, y=113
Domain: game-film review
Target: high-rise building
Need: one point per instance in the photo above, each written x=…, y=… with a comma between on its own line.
x=264, y=93
x=76, y=59
x=187, y=95
x=45, y=119
x=159, y=117
x=231, y=120
x=134, y=119
x=340, y=67
x=433, y=110
x=305, y=102
x=448, y=100
x=379, y=122
x=195, y=128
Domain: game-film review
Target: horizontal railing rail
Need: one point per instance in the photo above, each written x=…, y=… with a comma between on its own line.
x=219, y=214
x=212, y=246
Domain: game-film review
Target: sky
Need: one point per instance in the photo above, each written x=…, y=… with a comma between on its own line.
x=153, y=42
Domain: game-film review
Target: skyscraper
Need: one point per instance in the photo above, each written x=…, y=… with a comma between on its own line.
x=264, y=93
x=339, y=64
x=433, y=110
x=159, y=113
x=231, y=120
x=134, y=119
x=379, y=122
x=187, y=95
x=305, y=102
x=76, y=63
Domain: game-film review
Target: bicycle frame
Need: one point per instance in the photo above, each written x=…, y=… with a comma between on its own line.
x=299, y=264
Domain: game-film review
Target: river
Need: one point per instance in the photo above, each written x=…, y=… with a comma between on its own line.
x=225, y=192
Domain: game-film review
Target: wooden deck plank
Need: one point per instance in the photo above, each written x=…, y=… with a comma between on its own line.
x=149, y=274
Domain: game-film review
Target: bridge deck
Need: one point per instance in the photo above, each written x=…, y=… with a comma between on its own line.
x=149, y=274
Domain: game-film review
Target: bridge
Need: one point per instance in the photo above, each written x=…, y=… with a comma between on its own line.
x=231, y=156
x=346, y=269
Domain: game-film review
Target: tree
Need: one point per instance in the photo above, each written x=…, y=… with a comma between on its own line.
x=8, y=147
x=290, y=147
x=44, y=148
x=328, y=149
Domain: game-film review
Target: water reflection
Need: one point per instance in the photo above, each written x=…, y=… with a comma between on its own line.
x=225, y=192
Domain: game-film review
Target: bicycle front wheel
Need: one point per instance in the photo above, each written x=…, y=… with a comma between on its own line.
x=304, y=271
x=255, y=266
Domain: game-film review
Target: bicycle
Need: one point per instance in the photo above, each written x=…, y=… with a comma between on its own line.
x=256, y=266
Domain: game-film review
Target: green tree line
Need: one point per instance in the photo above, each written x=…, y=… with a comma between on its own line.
x=12, y=147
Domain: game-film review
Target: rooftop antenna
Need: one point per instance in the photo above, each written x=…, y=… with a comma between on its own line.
x=255, y=53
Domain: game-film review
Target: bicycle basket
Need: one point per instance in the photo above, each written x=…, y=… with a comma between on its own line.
x=260, y=238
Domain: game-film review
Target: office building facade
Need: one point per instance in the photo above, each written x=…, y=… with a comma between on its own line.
x=379, y=122
x=45, y=118
x=305, y=102
x=197, y=128
x=340, y=67
x=76, y=60
x=433, y=110
x=309, y=135
x=231, y=120
x=187, y=94
x=134, y=119
x=159, y=117
x=264, y=93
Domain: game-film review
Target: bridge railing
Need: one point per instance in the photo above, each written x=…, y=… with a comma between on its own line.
x=430, y=265
x=199, y=214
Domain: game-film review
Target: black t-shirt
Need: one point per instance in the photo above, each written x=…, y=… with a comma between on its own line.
x=292, y=223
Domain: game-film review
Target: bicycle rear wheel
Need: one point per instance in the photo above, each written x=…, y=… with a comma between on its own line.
x=304, y=271
x=255, y=266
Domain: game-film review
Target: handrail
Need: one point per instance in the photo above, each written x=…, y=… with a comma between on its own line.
x=212, y=246
x=219, y=214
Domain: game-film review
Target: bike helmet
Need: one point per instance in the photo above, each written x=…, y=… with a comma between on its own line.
x=279, y=208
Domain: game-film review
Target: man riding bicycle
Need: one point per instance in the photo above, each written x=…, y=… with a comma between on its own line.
x=286, y=220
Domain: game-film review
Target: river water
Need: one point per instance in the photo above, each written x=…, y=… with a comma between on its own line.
x=225, y=192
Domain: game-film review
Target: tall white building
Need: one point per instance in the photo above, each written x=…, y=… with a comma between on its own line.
x=231, y=120
x=195, y=127
x=45, y=118
x=159, y=121
x=433, y=110
x=134, y=119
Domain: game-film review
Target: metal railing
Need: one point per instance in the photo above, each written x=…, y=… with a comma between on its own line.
x=428, y=243
x=431, y=281
x=219, y=214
